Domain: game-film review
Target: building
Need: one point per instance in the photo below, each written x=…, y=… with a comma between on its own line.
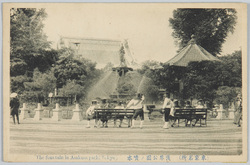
x=192, y=52
x=101, y=51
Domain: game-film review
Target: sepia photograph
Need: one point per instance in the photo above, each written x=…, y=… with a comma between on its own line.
x=125, y=82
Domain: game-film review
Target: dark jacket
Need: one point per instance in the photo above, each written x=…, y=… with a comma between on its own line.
x=14, y=106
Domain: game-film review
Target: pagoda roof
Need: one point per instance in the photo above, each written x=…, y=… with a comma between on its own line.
x=192, y=52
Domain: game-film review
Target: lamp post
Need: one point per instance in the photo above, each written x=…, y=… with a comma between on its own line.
x=50, y=96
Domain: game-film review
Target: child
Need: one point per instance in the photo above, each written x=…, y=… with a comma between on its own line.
x=104, y=116
x=167, y=107
x=90, y=113
x=198, y=106
x=136, y=104
x=188, y=106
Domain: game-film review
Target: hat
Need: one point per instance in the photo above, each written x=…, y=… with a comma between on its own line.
x=12, y=95
x=94, y=101
x=138, y=95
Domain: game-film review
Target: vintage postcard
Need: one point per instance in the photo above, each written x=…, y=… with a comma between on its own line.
x=125, y=82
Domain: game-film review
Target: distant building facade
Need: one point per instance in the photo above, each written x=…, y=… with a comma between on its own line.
x=101, y=51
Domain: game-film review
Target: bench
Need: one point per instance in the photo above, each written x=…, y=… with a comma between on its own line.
x=110, y=113
x=200, y=114
x=188, y=114
x=185, y=114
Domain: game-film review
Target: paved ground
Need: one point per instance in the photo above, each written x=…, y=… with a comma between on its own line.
x=220, y=137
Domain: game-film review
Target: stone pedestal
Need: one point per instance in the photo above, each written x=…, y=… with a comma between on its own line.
x=57, y=113
x=38, y=112
x=231, y=114
x=221, y=113
x=146, y=113
x=209, y=114
x=24, y=112
x=77, y=114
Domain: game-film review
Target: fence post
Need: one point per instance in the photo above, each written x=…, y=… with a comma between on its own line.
x=221, y=113
x=231, y=111
x=77, y=116
x=38, y=112
x=24, y=112
x=57, y=113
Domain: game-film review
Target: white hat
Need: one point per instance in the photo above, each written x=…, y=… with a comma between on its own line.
x=13, y=95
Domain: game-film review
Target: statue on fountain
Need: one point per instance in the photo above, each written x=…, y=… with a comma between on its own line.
x=122, y=69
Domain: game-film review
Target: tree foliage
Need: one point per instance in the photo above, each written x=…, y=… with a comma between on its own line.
x=17, y=83
x=231, y=69
x=201, y=80
x=210, y=27
x=207, y=80
x=72, y=89
x=167, y=77
x=29, y=47
x=69, y=68
x=226, y=95
x=41, y=85
x=148, y=66
x=55, y=68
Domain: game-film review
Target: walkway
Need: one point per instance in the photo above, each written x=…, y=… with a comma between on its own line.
x=220, y=137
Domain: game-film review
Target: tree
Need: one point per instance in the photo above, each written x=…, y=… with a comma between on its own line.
x=231, y=70
x=69, y=68
x=73, y=89
x=26, y=39
x=201, y=80
x=226, y=95
x=17, y=83
x=29, y=48
x=41, y=86
x=167, y=77
x=208, y=80
x=148, y=66
x=210, y=27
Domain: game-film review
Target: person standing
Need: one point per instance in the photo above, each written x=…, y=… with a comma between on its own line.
x=167, y=106
x=14, y=107
x=90, y=113
x=172, y=112
x=136, y=104
x=238, y=110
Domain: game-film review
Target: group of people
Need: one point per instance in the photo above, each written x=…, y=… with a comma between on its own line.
x=168, y=108
x=136, y=104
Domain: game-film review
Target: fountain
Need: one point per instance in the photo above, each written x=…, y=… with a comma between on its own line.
x=104, y=87
x=119, y=83
x=121, y=70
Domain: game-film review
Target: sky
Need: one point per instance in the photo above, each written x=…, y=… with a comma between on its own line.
x=145, y=26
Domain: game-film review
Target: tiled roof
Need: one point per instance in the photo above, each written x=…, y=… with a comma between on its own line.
x=101, y=51
x=192, y=52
